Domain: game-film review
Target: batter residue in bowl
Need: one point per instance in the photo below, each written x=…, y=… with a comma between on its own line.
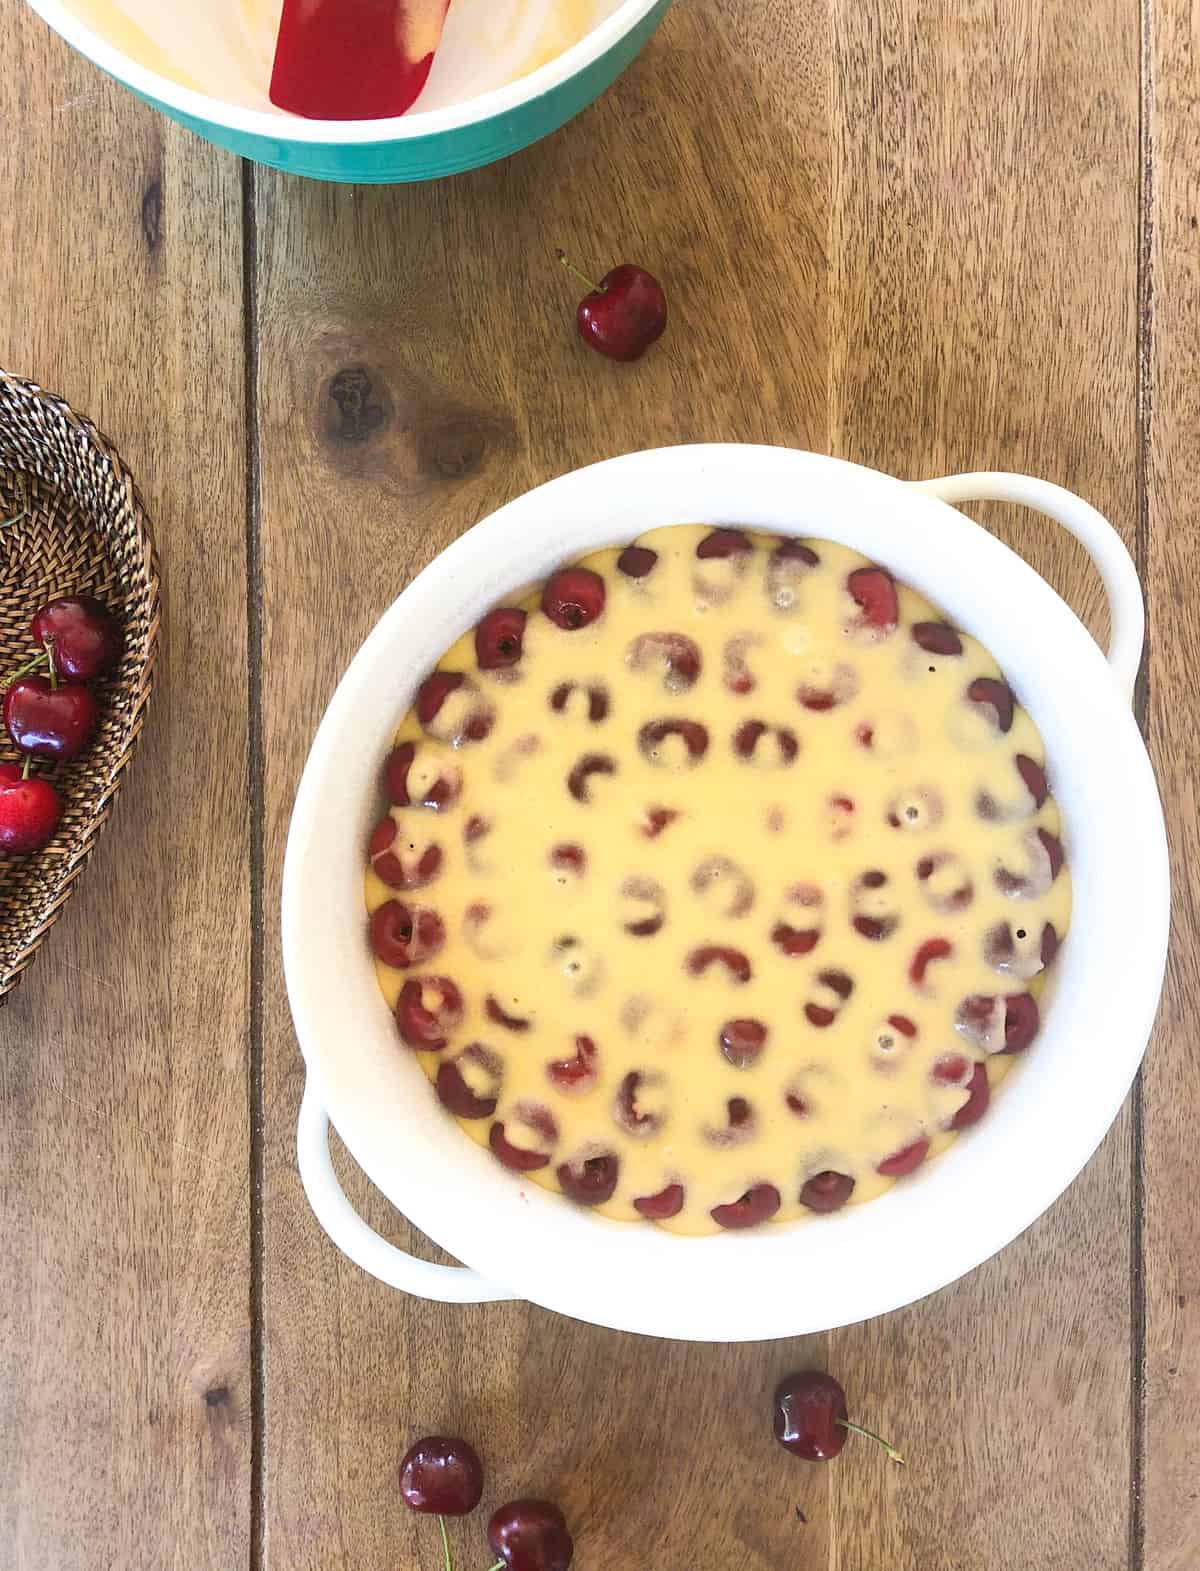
x=719, y=880
x=224, y=48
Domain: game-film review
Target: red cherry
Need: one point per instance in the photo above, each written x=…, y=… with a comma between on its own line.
x=434, y=691
x=580, y=775
x=666, y=1203
x=432, y=694
x=735, y=962
x=976, y=1019
x=1034, y=777
x=48, y=721
x=873, y=590
x=675, y=654
x=519, y=1158
x=811, y=1415
x=905, y=1160
x=573, y=597
x=994, y=696
x=722, y=543
x=441, y=1476
x=937, y=638
x=952, y=1069
x=811, y=1418
x=976, y=1105
x=498, y=638
x=531, y=1535
x=393, y=868
x=30, y=809
x=786, y=568
x=500, y=1016
x=426, y=1022
x=403, y=935
x=928, y=953
x=636, y=561
x=439, y=794
x=756, y=1205
x=623, y=314
x=579, y=1072
x=738, y=1127
x=569, y=858
x=635, y=1120
x=742, y=1042
x=691, y=733
x=457, y=1096
x=85, y=635
x=657, y=819
x=827, y=1191
x=750, y=733
x=590, y=1182
x=794, y=941
x=395, y=773
x=841, y=688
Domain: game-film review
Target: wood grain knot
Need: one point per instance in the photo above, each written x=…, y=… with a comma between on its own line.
x=356, y=406
x=453, y=446
x=216, y=1396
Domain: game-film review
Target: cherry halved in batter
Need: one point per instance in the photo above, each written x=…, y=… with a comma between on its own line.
x=757, y=1205
x=498, y=638
x=403, y=935
x=590, y=1182
x=573, y=597
x=578, y=1073
x=904, y=1161
x=873, y=590
x=937, y=638
x=428, y=1011
x=736, y=965
x=636, y=561
x=827, y=1191
x=674, y=654
x=462, y=1097
x=662, y=1206
x=995, y=699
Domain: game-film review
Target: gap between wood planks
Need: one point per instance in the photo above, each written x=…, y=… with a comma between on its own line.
x=254, y=754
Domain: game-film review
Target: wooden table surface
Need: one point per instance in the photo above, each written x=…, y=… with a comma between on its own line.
x=928, y=237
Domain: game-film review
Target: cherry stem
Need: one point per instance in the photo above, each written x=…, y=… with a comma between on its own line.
x=871, y=1435
x=24, y=670
x=582, y=277
x=449, y=1564
x=499, y=1566
x=26, y=766
x=48, y=645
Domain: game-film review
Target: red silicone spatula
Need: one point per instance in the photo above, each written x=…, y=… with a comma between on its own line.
x=354, y=59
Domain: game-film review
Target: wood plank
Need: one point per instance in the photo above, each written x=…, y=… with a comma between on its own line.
x=1171, y=1160
x=984, y=300
x=124, y=1334
x=450, y=298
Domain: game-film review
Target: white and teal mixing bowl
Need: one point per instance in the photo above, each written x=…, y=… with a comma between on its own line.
x=418, y=146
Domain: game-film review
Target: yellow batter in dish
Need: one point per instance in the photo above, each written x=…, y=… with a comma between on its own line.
x=225, y=48
x=722, y=893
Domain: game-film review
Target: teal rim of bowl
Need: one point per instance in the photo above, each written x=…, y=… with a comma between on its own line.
x=396, y=159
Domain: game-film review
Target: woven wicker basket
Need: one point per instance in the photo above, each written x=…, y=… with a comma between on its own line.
x=84, y=530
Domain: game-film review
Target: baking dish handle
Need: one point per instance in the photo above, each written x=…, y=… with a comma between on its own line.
x=447, y=1284
x=1098, y=538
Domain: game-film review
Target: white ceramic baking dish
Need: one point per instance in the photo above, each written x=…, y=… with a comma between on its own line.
x=520, y=1241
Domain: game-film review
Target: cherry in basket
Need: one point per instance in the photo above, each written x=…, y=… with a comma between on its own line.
x=354, y=59
x=85, y=636
x=29, y=810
